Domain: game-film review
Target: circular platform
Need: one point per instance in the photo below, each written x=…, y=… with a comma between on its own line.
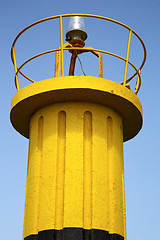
x=72, y=89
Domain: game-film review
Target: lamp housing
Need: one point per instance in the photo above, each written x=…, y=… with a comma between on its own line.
x=76, y=29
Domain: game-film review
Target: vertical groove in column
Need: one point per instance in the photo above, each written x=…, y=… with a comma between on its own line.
x=87, y=171
x=38, y=167
x=60, y=172
x=111, y=183
x=40, y=134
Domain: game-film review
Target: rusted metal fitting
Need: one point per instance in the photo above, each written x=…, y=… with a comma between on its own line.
x=76, y=43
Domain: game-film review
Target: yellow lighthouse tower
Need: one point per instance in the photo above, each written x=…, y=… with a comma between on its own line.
x=76, y=127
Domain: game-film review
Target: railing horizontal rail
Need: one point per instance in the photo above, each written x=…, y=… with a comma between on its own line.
x=75, y=48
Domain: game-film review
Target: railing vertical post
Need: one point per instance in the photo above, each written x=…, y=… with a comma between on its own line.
x=15, y=67
x=100, y=66
x=127, y=57
x=62, y=55
x=137, y=83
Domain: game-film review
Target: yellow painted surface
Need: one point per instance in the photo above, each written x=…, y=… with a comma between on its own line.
x=75, y=169
x=77, y=88
x=76, y=127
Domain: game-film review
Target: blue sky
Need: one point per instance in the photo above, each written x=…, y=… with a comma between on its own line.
x=141, y=154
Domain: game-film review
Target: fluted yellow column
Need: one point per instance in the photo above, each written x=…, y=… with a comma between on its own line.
x=75, y=181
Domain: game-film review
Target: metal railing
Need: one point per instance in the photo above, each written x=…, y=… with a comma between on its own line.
x=62, y=49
